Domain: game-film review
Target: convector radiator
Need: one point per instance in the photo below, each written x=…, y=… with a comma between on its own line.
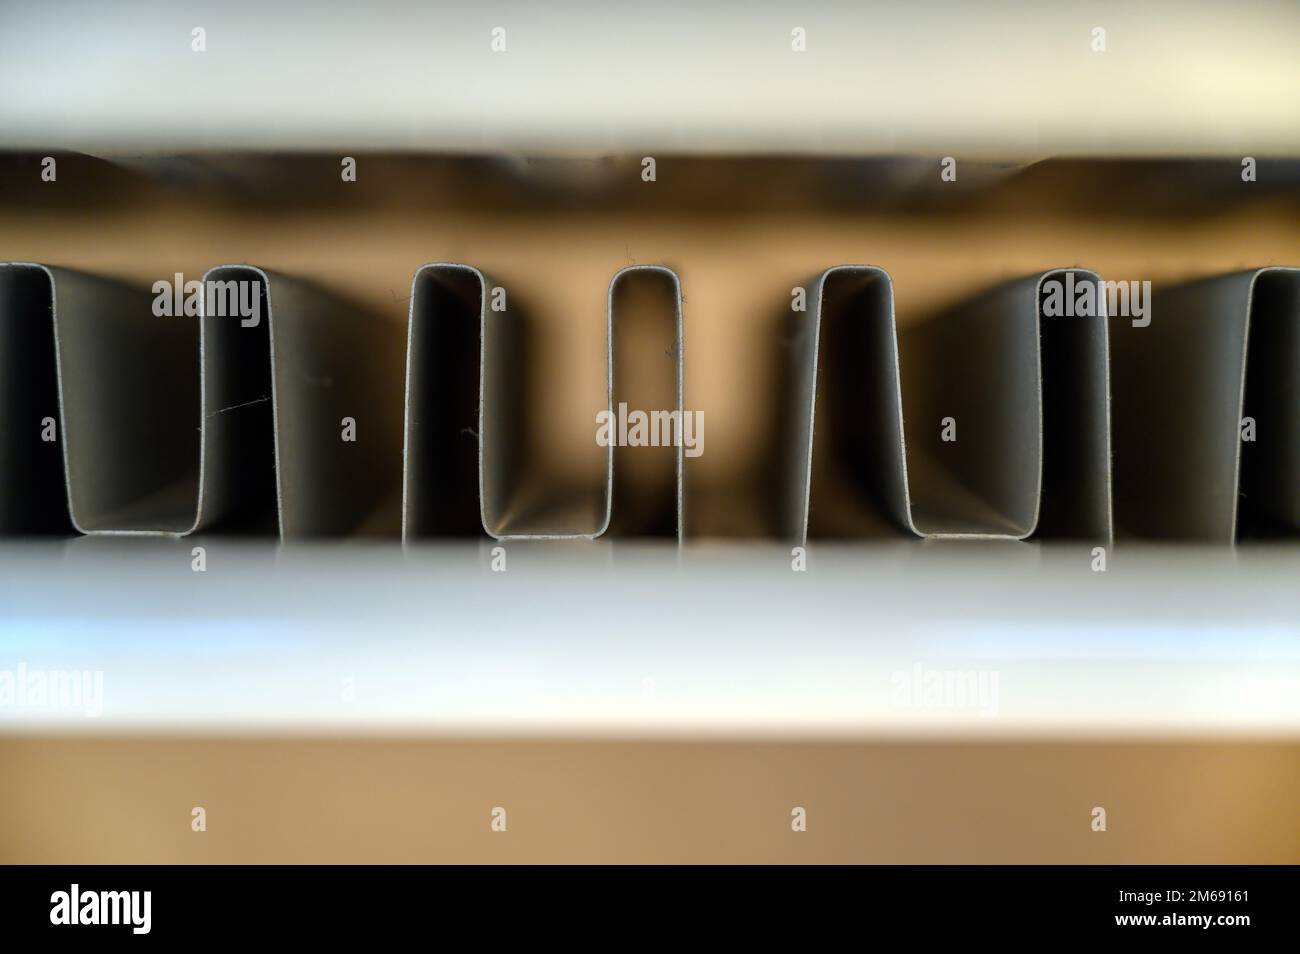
x=899, y=375
x=242, y=409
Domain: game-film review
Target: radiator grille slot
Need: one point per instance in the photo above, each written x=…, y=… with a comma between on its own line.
x=998, y=425
x=333, y=415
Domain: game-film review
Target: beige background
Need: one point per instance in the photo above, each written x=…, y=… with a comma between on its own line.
x=421, y=801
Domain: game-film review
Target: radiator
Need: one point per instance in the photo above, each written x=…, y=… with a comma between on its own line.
x=863, y=375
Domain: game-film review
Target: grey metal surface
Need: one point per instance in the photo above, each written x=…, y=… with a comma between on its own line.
x=238, y=468
x=33, y=500
x=978, y=365
x=1076, y=497
x=326, y=363
x=864, y=429
x=448, y=301
x=167, y=425
x=250, y=438
x=127, y=390
x=982, y=365
x=647, y=365
x=440, y=460
x=1270, y=465
x=1182, y=388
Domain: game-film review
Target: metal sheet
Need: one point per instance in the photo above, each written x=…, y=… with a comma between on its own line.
x=1181, y=389
x=980, y=364
x=33, y=498
x=1077, y=484
x=168, y=425
x=334, y=377
x=440, y=460
x=647, y=373
x=1270, y=464
x=843, y=379
x=446, y=300
x=127, y=390
x=238, y=490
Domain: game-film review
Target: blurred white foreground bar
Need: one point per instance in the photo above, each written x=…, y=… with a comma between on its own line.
x=945, y=77
x=909, y=639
